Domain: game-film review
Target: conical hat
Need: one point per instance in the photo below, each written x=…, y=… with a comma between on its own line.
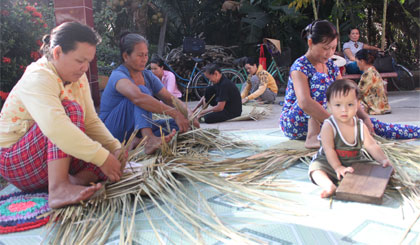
x=338, y=60
x=269, y=42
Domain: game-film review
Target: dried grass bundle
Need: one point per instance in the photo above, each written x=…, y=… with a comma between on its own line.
x=406, y=161
x=163, y=180
x=253, y=113
x=153, y=178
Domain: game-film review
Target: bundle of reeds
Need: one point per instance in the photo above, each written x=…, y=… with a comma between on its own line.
x=406, y=161
x=253, y=112
x=162, y=179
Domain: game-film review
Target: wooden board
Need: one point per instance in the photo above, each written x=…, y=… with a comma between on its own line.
x=366, y=184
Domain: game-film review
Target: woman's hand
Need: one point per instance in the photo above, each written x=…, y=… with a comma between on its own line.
x=112, y=168
x=196, y=123
x=124, y=155
x=182, y=122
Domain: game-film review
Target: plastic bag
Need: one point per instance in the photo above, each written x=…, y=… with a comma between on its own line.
x=263, y=59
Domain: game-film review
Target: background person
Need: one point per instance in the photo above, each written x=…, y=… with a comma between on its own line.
x=223, y=95
x=342, y=137
x=260, y=84
x=371, y=85
x=166, y=77
x=351, y=47
x=50, y=134
x=128, y=101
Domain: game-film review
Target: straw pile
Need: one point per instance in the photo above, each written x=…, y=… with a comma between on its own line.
x=253, y=112
x=406, y=161
x=189, y=159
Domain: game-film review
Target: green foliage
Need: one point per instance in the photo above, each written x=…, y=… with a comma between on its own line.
x=22, y=27
x=255, y=20
x=107, y=52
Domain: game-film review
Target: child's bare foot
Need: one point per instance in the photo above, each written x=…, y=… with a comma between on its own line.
x=328, y=192
x=312, y=142
x=66, y=193
x=153, y=143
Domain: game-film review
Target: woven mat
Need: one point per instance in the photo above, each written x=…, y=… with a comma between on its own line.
x=20, y=211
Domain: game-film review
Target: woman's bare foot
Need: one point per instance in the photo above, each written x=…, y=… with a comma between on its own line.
x=312, y=142
x=314, y=127
x=83, y=177
x=134, y=143
x=153, y=143
x=328, y=192
x=66, y=194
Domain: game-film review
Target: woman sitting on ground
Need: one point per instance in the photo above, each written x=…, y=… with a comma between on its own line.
x=166, y=77
x=223, y=96
x=371, y=85
x=128, y=100
x=50, y=135
x=260, y=85
x=351, y=47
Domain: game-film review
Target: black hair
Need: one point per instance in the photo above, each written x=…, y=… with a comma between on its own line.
x=343, y=87
x=353, y=28
x=66, y=36
x=212, y=68
x=128, y=40
x=157, y=60
x=252, y=61
x=367, y=55
x=320, y=31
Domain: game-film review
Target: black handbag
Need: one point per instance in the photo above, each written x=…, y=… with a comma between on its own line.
x=384, y=63
x=195, y=46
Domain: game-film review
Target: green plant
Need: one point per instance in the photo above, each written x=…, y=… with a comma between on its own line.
x=107, y=52
x=22, y=27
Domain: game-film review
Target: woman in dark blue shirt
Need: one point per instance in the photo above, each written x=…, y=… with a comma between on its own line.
x=128, y=101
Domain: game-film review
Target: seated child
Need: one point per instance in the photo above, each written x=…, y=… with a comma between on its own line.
x=342, y=137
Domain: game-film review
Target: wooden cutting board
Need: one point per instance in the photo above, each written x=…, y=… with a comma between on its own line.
x=366, y=184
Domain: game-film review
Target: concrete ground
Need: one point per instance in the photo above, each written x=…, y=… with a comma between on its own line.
x=405, y=107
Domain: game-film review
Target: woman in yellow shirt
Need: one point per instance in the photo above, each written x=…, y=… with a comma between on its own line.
x=260, y=84
x=50, y=134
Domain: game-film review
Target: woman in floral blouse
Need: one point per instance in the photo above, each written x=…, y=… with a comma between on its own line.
x=371, y=85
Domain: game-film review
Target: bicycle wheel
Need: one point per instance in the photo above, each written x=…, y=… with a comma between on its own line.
x=199, y=84
x=405, y=80
x=281, y=75
x=235, y=77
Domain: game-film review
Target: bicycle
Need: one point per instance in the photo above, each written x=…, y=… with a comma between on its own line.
x=197, y=81
x=404, y=79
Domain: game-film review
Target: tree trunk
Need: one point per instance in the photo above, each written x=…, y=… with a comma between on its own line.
x=338, y=38
x=384, y=25
x=161, y=43
x=140, y=18
x=314, y=8
x=337, y=24
x=369, y=27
